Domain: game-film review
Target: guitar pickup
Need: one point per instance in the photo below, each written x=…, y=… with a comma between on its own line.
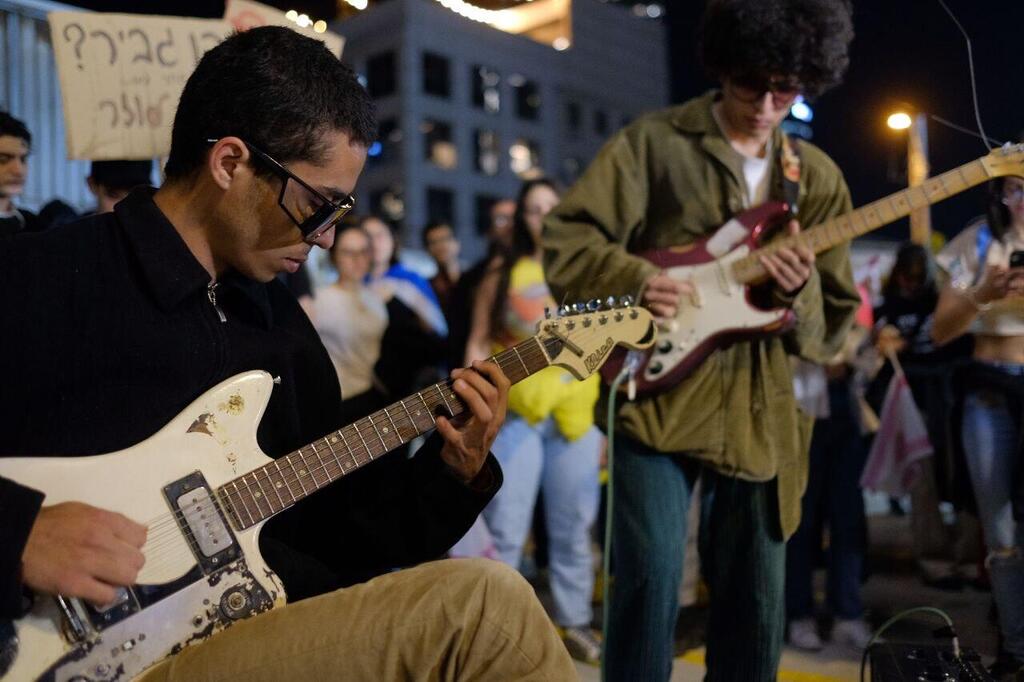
x=202, y=521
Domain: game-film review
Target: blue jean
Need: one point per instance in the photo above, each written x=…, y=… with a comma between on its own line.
x=833, y=498
x=990, y=445
x=537, y=458
x=742, y=557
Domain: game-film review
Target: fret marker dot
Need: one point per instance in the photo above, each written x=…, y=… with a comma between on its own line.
x=385, y=429
x=334, y=439
x=302, y=471
x=256, y=494
x=279, y=484
x=419, y=412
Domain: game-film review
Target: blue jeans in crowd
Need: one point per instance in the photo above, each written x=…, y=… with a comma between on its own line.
x=833, y=497
x=742, y=559
x=991, y=447
x=539, y=458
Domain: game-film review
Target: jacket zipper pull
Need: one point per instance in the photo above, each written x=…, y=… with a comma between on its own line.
x=211, y=293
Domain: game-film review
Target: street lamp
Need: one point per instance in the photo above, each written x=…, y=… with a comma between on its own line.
x=916, y=125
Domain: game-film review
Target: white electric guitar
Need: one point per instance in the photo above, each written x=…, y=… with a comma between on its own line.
x=723, y=267
x=204, y=489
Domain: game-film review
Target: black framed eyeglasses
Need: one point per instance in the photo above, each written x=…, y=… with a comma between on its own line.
x=326, y=213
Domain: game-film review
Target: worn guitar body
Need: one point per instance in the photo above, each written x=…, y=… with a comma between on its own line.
x=214, y=572
x=204, y=489
x=718, y=313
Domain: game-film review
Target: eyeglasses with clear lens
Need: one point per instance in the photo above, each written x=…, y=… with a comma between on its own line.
x=323, y=213
x=783, y=92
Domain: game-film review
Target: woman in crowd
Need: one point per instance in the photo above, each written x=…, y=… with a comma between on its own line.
x=904, y=329
x=984, y=297
x=549, y=441
x=351, y=318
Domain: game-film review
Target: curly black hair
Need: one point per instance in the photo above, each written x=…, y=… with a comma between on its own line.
x=754, y=41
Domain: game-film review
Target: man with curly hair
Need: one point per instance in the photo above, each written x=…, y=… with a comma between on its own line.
x=669, y=179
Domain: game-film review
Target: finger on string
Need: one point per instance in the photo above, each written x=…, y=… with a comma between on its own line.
x=482, y=384
x=477, y=405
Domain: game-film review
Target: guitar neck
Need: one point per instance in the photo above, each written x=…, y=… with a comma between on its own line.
x=263, y=492
x=846, y=227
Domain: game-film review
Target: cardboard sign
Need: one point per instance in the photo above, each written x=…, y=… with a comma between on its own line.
x=121, y=76
x=246, y=14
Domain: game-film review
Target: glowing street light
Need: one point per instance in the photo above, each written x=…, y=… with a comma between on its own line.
x=916, y=126
x=899, y=121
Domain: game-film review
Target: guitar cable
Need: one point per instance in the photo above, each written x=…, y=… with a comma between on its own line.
x=628, y=371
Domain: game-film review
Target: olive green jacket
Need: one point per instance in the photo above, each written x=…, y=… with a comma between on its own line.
x=668, y=179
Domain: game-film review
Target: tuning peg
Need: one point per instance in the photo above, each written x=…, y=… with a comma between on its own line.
x=593, y=305
x=609, y=303
x=547, y=313
x=564, y=311
x=579, y=308
x=626, y=301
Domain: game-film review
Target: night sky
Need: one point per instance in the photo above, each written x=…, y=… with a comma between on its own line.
x=909, y=51
x=904, y=51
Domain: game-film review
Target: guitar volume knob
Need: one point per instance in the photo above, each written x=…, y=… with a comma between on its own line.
x=655, y=367
x=665, y=346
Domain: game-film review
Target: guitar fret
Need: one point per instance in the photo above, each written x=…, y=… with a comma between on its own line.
x=299, y=473
x=277, y=486
x=377, y=431
x=359, y=433
x=351, y=454
x=334, y=453
x=415, y=426
x=398, y=434
x=526, y=372
x=234, y=507
x=441, y=393
x=426, y=407
x=258, y=495
x=323, y=466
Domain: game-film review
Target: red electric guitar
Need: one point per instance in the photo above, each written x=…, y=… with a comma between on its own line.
x=723, y=267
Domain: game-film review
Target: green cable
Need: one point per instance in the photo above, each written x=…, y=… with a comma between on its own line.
x=606, y=557
x=900, y=616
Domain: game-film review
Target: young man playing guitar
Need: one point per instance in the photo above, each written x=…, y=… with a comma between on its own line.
x=668, y=180
x=116, y=323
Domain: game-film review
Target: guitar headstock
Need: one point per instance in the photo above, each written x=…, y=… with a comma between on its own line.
x=583, y=335
x=1006, y=160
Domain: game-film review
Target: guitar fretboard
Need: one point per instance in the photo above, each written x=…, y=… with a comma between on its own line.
x=263, y=492
x=867, y=218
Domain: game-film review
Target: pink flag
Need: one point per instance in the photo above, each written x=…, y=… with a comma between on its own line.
x=901, y=441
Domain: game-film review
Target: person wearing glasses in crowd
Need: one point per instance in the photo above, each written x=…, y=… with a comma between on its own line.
x=669, y=178
x=985, y=297
x=125, y=318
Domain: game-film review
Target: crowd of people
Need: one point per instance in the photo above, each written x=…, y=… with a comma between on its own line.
x=504, y=486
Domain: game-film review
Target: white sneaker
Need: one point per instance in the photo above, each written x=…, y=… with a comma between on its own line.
x=853, y=632
x=803, y=634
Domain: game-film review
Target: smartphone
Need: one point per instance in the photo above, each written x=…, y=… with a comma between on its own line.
x=1017, y=259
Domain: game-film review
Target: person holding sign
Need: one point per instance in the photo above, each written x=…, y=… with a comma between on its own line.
x=124, y=318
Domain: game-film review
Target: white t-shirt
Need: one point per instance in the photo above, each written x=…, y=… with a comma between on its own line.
x=960, y=259
x=351, y=325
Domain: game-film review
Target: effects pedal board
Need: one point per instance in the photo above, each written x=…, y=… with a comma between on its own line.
x=925, y=663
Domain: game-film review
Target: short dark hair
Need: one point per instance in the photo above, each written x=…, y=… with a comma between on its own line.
x=274, y=88
x=755, y=40
x=431, y=226
x=15, y=128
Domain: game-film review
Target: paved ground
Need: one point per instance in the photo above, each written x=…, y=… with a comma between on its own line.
x=892, y=587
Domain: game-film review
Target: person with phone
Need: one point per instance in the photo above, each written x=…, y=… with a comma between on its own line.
x=985, y=296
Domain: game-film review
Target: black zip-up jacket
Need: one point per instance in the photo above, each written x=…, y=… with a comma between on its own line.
x=111, y=328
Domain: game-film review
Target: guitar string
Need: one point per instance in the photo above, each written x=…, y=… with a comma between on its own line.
x=168, y=528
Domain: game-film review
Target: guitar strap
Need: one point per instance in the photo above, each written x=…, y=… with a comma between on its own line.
x=789, y=157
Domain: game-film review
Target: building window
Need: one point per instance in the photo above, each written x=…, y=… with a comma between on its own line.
x=438, y=147
x=600, y=122
x=482, y=212
x=486, y=89
x=487, y=152
x=573, y=116
x=440, y=205
x=436, y=76
x=389, y=203
x=381, y=75
x=524, y=158
x=387, y=148
x=527, y=97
